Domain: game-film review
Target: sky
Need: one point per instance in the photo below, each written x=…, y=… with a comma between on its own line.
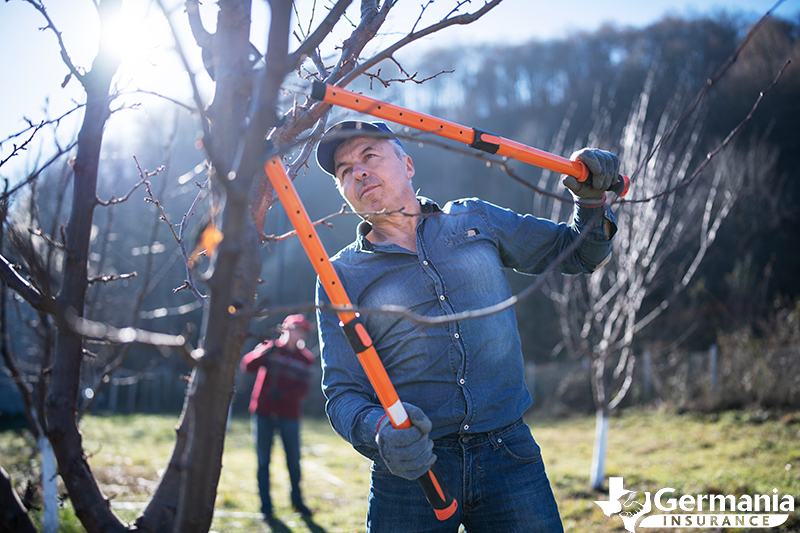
x=34, y=72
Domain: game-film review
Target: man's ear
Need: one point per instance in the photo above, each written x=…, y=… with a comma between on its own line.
x=409, y=167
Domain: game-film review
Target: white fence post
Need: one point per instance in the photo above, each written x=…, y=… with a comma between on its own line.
x=646, y=386
x=712, y=368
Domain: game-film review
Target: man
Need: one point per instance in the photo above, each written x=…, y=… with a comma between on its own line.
x=284, y=370
x=462, y=382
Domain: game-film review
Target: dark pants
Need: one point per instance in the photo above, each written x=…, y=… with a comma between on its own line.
x=289, y=429
x=498, y=479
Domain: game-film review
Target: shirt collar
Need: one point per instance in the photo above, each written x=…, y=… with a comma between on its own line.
x=363, y=244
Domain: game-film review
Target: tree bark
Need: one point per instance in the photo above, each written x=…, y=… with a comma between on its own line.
x=13, y=515
x=91, y=507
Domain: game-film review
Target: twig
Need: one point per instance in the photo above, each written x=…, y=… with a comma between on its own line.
x=177, y=236
x=107, y=278
x=204, y=121
x=100, y=331
x=321, y=222
x=189, y=283
x=408, y=78
x=31, y=125
x=48, y=240
x=30, y=179
x=22, y=147
x=388, y=52
x=143, y=179
x=719, y=148
x=64, y=55
x=706, y=88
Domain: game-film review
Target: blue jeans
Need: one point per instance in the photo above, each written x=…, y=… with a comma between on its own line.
x=264, y=428
x=498, y=479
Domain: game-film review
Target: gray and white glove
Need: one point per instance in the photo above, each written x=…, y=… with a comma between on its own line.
x=604, y=169
x=408, y=453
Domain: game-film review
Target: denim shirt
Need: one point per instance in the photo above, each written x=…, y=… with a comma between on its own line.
x=467, y=376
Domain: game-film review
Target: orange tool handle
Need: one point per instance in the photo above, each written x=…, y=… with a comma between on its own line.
x=476, y=138
x=443, y=504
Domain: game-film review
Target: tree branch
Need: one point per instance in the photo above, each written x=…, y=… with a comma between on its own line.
x=21, y=286
x=64, y=54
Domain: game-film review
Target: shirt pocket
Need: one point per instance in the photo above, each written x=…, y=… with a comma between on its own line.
x=462, y=236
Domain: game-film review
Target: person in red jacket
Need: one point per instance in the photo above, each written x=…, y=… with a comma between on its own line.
x=284, y=370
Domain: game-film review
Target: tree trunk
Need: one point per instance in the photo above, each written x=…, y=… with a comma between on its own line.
x=598, y=473
x=91, y=507
x=13, y=515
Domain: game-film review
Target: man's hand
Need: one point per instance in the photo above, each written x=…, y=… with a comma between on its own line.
x=408, y=453
x=604, y=169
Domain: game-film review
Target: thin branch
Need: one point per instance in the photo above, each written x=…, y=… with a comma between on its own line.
x=204, y=122
x=719, y=148
x=24, y=146
x=189, y=283
x=100, y=331
x=47, y=239
x=24, y=288
x=706, y=88
x=466, y=18
x=143, y=179
x=321, y=222
x=107, y=278
x=64, y=54
x=309, y=46
x=35, y=175
x=408, y=78
x=53, y=121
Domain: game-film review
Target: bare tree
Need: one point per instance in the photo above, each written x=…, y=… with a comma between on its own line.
x=242, y=126
x=663, y=236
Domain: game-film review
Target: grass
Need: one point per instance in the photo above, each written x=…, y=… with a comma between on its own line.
x=730, y=453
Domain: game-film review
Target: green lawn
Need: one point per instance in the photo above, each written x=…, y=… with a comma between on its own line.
x=732, y=453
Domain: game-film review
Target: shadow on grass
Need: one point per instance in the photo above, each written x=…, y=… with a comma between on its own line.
x=277, y=526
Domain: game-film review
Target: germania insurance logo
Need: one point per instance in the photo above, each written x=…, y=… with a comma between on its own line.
x=694, y=510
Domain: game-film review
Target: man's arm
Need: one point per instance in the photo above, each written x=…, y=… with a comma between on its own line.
x=531, y=245
x=352, y=408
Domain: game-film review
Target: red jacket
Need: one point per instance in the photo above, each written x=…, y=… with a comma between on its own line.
x=283, y=380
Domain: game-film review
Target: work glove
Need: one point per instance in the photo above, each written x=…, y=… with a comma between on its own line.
x=603, y=168
x=408, y=453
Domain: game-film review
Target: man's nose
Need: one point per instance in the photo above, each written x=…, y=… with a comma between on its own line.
x=360, y=171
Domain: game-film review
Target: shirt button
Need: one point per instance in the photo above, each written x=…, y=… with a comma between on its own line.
x=461, y=381
x=425, y=263
x=457, y=336
x=466, y=427
x=441, y=297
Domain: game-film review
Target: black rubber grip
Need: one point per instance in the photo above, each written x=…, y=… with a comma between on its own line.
x=443, y=504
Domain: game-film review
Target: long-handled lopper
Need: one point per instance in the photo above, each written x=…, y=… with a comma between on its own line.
x=443, y=504
x=474, y=137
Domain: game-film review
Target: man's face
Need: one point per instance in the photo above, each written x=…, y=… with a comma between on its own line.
x=371, y=175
